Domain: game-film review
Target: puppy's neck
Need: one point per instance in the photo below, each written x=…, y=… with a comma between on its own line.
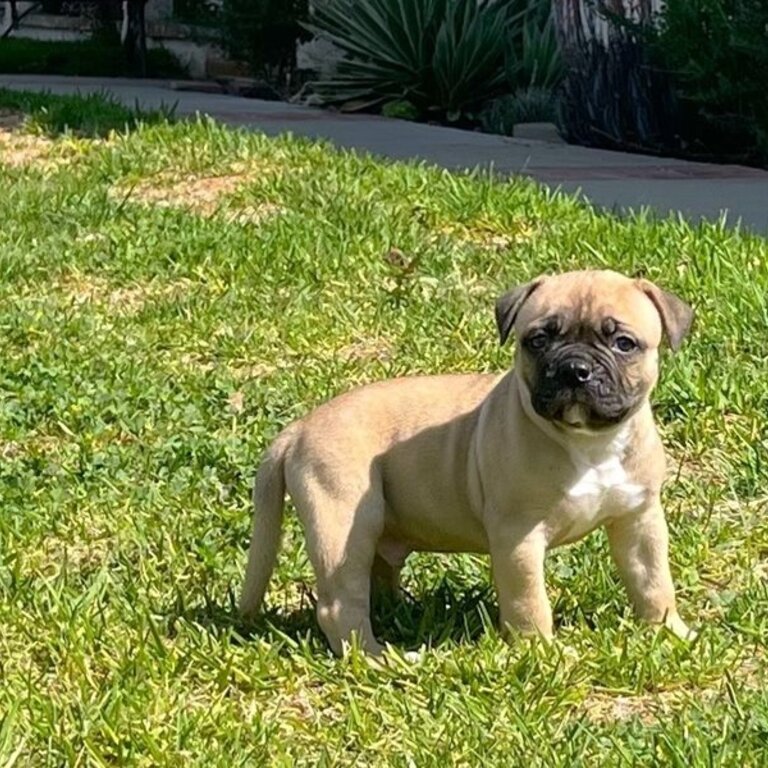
x=582, y=445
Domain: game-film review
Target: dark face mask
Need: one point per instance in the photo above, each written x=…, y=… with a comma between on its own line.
x=580, y=369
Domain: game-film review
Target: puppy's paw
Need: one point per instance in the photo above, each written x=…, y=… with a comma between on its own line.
x=529, y=631
x=398, y=657
x=674, y=624
x=392, y=657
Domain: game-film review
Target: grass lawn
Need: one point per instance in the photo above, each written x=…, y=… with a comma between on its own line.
x=173, y=296
x=93, y=116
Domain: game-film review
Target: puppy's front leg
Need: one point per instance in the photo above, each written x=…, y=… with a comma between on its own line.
x=518, y=572
x=640, y=546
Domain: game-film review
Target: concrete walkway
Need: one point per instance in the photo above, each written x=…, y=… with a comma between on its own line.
x=615, y=180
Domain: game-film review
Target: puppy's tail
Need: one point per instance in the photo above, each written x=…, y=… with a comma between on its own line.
x=268, y=501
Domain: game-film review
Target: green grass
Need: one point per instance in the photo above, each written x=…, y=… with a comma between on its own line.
x=131, y=331
x=93, y=115
x=97, y=57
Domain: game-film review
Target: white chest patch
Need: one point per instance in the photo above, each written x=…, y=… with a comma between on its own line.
x=600, y=489
x=607, y=478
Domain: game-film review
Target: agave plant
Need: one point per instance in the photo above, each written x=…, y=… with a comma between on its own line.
x=443, y=56
x=533, y=54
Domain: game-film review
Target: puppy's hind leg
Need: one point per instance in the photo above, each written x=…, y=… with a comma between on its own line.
x=385, y=577
x=385, y=585
x=342, y=527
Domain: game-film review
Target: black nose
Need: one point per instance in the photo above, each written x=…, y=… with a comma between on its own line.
x=577, y=371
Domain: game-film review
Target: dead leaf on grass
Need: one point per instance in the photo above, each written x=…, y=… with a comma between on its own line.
x=401, y=263
x=365, y=349
x=236, y=402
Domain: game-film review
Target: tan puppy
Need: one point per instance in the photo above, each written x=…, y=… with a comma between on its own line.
x=511, y=464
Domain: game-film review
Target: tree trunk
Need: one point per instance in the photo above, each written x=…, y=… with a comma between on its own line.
x=135, y=36
x=578, y=22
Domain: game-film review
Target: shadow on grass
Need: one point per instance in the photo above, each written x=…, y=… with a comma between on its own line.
x=443, y=615
x=91, y=116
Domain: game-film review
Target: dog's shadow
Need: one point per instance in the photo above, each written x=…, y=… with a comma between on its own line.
x=441, y=615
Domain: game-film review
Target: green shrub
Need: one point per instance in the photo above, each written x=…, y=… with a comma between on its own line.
x=203, y=12
x=533, y=105
x=690, y=81
x=534, y=69
x=263, y=33
x=99, y=57
x=444, y=56
x=717, y=53
x=404, y=110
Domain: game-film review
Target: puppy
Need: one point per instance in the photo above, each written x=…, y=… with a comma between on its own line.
x=512, y=464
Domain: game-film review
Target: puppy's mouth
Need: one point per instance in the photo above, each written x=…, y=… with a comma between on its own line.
x=577, y=386
x=576, y=416
x=580, y=417
x=581, y=409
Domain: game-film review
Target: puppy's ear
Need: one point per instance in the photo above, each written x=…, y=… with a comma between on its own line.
x=508, y=307
x=676, y=315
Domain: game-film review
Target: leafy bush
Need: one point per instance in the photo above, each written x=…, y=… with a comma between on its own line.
x=263, y=33
x=688, y=81
x=99, y=57
x=401, y=109
x=533, y=105
x=203, y=12
x=717, y=52
x=443, y=56
x=534, y=69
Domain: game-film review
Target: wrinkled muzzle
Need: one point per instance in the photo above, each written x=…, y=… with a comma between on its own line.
x=581, y=386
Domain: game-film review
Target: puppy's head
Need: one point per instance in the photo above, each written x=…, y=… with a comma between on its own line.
x=588, y=343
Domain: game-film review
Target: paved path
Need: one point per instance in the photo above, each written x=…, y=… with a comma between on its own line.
x=615, y=180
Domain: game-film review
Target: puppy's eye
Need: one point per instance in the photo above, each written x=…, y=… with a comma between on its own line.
x=537, y=341
x=624, y=344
